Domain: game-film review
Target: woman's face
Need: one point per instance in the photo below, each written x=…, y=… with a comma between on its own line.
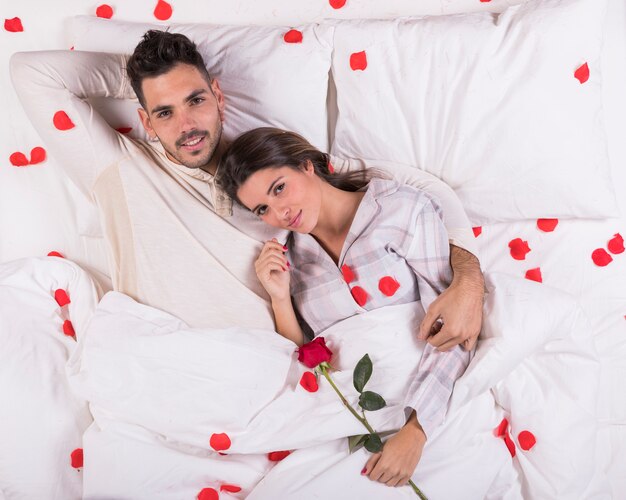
x=284, y=197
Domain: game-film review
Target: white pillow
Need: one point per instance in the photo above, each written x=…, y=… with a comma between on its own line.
x=487, y=102
x=266, y=80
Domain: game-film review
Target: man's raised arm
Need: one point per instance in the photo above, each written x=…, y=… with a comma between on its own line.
x=460, y=306
x=53, y=87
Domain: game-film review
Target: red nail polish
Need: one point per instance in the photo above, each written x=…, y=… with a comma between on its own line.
x=285, y=248
x=288, y=264
x=363, y=471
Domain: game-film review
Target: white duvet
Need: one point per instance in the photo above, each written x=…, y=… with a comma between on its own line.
x=158, y=391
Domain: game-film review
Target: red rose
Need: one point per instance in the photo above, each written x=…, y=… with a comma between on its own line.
x=314, y=353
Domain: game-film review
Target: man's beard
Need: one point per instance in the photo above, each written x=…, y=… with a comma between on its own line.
x=204, y=157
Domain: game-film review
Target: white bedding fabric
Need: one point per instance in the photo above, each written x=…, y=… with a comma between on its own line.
x=158, y=391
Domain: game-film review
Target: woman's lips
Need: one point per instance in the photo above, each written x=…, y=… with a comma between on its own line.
x=295, y=222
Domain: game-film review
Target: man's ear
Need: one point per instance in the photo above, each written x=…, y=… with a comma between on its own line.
x=219, y=97
x=145, y=121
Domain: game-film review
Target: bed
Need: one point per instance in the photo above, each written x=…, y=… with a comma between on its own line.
x=524, y=112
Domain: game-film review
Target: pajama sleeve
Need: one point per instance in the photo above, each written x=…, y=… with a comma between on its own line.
x=428, y=255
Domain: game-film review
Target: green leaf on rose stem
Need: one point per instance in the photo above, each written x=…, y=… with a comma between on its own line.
x=371, y=401
x=355, y=442
x=362, y=373
x=373, y=443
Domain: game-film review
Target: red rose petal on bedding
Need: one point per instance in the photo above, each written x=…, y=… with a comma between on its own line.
x=293, y=36
x=477, y=231
x=68, y=328
x=18, y=159
x=124, y=130
x=388, y=286
x=61, y=297
x=104, y=11
x=337, y=4
x=348, y=273
x=309, y=382
x=331, y=169
x=501, y=429
x=509, y=444
x=582, y=73
x=208, y=494
x=277, y=456
x=219, y=442
x=601, y=257
x=360, y=296
x=485, y=1
x=358, y=61
x=526, y=440
x=230, y=488
x=547, y=225
x=37, y=155
x=54, y=253
x=163, y=11
x=13, y=25
x=62, y=121
x=534, y=275
x=616, y=245
x=76, y=458
x=519, y=248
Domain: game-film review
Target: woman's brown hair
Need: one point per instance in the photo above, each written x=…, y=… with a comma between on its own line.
x=268, y=147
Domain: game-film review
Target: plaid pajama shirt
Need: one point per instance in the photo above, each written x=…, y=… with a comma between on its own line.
x=396, y=252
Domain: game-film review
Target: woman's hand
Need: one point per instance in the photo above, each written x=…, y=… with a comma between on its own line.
x=272, y=270
x=395, y=465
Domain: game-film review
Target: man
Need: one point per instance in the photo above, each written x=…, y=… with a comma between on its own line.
x=175, y=241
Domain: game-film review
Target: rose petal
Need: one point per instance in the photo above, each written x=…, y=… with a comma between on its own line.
x=277, y=456
x=293, y=36
x=348, y=274
x=230, y=488
x=309, y=382
x=477, y=231
x=547, y=225
x=519, y=248
x=601, y=258
x=220, y=442
x=616, y=244
x=163, y=10
x=526, y=440
x=360, y=296
x=54, y=253
x=76, y=458
x=37, y=155
x=13, y=25
x=337, y=4
x=509, y=444
x=582, y=73
x=208, y=494
x=62, y=121
x=68, y=328
x=61, y=297
x=124, y=130
x=331, y=168
x=388, y=286
x=534, y=275
x=358, y=61
x=18, y=159
x=501, y=429
x=104, y=11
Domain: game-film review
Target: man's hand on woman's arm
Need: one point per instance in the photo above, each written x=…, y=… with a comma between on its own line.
x=460, y=306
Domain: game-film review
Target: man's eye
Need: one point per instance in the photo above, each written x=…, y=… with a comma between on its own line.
x=279, y=188
x=197, y=100
x=163, y=114
x=261, y=211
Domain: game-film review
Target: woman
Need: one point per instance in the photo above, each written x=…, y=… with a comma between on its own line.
x=357, y=243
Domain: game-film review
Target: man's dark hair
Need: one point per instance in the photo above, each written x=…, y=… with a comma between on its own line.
x=157, y=53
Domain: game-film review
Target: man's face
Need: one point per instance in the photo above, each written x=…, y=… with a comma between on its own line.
x=185, y=113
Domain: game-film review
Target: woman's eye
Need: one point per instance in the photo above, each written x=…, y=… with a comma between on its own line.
x=261, y=211
x=279, y=188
